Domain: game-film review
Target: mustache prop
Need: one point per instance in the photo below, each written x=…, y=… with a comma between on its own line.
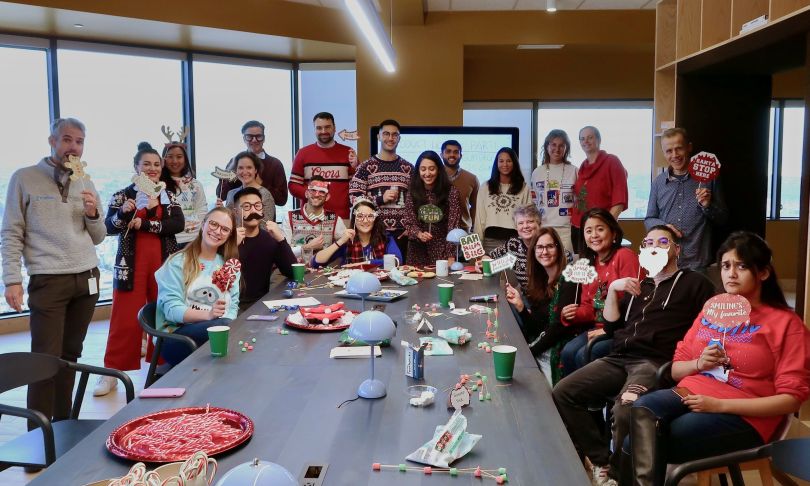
x=252, y=216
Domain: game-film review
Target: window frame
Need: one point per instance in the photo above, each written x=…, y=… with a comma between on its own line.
x=777, y=151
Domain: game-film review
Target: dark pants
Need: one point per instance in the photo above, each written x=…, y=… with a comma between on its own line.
x=173, y=352
x=572, y=356
x=601, y=380
x=692, y=435
x=61, y=310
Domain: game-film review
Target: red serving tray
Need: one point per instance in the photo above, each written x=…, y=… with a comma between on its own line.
x=294, y=320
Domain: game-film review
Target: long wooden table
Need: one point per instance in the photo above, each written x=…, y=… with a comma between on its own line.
x=291, y=389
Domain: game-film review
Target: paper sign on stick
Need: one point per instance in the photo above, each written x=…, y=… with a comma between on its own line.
x=145, y=185
x=348, y=135
x=503, y=263
x=704, y=167
x=727, y=311
x=581, y=272
x=471, y=246
x=224, y=175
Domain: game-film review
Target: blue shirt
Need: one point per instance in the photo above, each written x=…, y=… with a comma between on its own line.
x=672, y=201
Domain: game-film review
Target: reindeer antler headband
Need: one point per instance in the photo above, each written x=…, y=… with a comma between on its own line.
x=181, y=135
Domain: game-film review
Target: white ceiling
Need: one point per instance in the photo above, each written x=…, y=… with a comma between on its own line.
x=491, y=5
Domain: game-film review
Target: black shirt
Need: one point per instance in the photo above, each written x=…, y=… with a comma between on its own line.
x=258, y=256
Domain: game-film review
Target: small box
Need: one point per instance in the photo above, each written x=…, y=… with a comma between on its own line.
x=415, y=362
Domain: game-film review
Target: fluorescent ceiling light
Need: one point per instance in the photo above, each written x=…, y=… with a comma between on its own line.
x=551, y=5
x=540, y=46
x=370, y=24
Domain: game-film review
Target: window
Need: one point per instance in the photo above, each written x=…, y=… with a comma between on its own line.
x=501, y=114
x=23, y=93
x=785, y=146
x=327, y=87
x=626, y=129
x=91, y=85
x=227, y=93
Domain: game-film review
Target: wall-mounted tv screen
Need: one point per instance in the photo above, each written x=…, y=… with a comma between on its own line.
x=479, y=144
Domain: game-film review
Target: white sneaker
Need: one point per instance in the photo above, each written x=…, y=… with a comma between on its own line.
x=143, y=347
x=599, y=476
x=105, y=385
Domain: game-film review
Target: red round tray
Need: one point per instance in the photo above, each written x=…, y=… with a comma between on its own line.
x=297, y=321
x=119, y=441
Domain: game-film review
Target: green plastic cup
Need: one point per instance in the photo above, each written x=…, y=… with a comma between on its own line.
x=445, y=294
x=487, y=267
x=504, y=357
x=218, y=337
x=299, y=270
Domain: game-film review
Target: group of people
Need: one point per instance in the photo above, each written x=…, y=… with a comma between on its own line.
x=175, y=250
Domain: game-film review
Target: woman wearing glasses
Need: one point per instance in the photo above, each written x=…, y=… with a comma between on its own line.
x=190, y=298
x=430, y=188
x=547, y=293
x=146, y=227
x=189, y=191
x=248, y=168
x=365, y=241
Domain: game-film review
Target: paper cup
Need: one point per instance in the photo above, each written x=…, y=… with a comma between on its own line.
x=442, y=268
x=445, y=294
x=299, y=270
x=218, y=338
x=486, y=267
x=504, y=357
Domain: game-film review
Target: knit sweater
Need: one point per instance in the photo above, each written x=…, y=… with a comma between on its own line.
x=602, y=184
x=273, y=179
x=330, y=163
x=191, y=198
x=373, y=178
x=52, y=237
x=623, y=263
x=467, y=185
x=423, y=254
x=496, y=210
x=516, y=247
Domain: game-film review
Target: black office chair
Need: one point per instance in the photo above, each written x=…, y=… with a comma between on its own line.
x=146, y=318
x=42, y=446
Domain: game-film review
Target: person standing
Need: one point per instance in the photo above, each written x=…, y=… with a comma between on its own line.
x=553, y=185
x=248, y=168
x=332, y=161
x=189, y=191
x=601, y=183
x=463, y=180
x=672, y=203
x=312, y=228
x=271, y=177
x=384, y=179
x=45, y=214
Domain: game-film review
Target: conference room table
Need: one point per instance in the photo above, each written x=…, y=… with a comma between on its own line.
x=291, y=389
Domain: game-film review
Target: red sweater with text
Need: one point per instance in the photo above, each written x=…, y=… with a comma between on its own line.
x=769, y=356
x=330, y=163
x=624, y=263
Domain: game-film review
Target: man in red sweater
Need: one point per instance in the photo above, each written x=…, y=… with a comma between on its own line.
x=333, y=161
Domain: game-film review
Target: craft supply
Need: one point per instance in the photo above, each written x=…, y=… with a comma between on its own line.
x=261, y=317
x=436, y=346
x=414, y=360
x=484, y=298
x=498, y=475
x=455, y=335
x=449, y=443
x=424, y=326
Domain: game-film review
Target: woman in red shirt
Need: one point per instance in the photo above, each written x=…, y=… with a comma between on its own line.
x=734, y=395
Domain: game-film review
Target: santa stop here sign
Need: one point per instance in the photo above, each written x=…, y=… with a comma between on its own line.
x=704, y=167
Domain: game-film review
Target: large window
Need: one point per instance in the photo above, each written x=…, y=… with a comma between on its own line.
x=499, y=114
x=24, y=125
x=229, y=92
x=329, y=87
x=785, y=158
x=123, y=99
x=626, y=129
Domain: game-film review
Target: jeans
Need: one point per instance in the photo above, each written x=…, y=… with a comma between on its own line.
x=174, y=352
x=694, y=435
x=573, y=354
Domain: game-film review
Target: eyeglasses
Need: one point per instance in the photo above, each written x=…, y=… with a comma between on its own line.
x=257, y=205
x=257, y=138
x=219, y=227
x=545, y=248
x=365, y=216
x=661, y=242
x=390, y=134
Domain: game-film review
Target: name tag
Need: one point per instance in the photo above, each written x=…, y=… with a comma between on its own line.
x=92, y=285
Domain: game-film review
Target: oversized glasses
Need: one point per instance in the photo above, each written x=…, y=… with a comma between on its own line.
x=258, y=206
x=365, y=216
x=257, y=138
x=545, y=248
x=662, y=242
x=219, y=227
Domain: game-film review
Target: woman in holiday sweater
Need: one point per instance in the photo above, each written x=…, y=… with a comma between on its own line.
x=189, y=191
x=199, y=286
x=431, y=186
x=527, y=222
x=602, y=246
x=553, y=185
x=505, y=190
x=248, y=171
x=365, y=241
x=731, y=395
x=547, y=294
x=146, y=226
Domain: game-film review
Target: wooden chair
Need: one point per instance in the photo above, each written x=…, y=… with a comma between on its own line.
x=146, y=318
x=42, y=446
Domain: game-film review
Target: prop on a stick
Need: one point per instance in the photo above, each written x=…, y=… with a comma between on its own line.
x=726, y=312
x=146, y=186
x=471, y=246
x=652, y=259
x=76, y=167
x=430, y=214
x=225, y=276
x=580, y=272
x=347, y=135
x=704, y=167
x=223, y=175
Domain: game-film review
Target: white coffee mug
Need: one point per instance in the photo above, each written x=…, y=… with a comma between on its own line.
x=442, y=268
x=390, y=262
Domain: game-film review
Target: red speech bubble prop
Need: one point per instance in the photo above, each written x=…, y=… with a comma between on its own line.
x=727, y=310
x=704, y=167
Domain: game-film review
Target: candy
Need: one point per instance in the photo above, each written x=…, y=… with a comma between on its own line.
x=479, y=382
x=428, y=470
x=478, y=374
x=244, y=349
x=499, y=480
x=376, y=466
x=253, y=340
x=501, y=470
x=484, y=379
x=453, y=471
x=474, y=387
x=250, y=348
x=241, y=343
x=403, y=467
x=488, y=397
x=477, y=472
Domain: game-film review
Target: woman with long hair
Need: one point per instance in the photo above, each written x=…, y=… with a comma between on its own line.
x=198, y=287
x=602, y=247
x=735, y=384
x=430, y=186
x=505, y=190
x=365, y=241
x=547, y=293
x=189, y=191
x=248, y=171
x=553, y=185
x=146, y=226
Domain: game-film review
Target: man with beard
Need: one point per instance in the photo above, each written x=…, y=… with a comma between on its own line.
x=312, y=228
x=688, y=207
x=464, y=180
x=332, y=161
x=260, y=249
x=646, y=318
x=53, y=223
